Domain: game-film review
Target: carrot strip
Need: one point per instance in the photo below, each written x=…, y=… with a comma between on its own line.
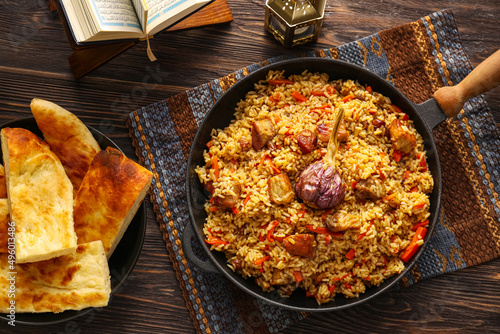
x=247, y=198
x=347, y=98
x=215, y=165
x=299, y=97
x=382, y=175
x=369, y=89
x=419, y=206
x=262, y=260
x=421, y=224
x=215, y=241
x=323, y=230
x=302, y=211
x=398, y=109
x=270, y=232
x=317, y=93
x=331, y=90
x=264, y=157
x=277, y=82
x=391, y=196
x=413, y=246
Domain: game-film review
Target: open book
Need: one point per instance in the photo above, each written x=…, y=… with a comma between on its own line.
x=105, y=20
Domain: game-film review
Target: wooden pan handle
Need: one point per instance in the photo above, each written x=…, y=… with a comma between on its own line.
x=483, y=78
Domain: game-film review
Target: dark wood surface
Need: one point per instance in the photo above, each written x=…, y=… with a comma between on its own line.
x=33, y=63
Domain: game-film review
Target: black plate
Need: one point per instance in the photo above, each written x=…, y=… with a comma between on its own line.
x=124, y=257
x=221, y=114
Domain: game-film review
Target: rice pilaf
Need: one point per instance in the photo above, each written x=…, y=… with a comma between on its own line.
x=365, y=239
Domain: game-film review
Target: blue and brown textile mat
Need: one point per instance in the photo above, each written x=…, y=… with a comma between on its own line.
x=418, y=58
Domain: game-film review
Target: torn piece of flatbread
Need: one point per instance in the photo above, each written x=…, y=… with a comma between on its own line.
x=110, y=195
x=70, y=282
x=67, y=137
x=40, y=197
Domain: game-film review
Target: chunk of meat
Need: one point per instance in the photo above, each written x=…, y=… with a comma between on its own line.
x=402, y=139
x=340, y=223
x=372, y=189
x=306, y=140
x=300, y=245
x=325, y=131
x=209, y=186
x=229, y=200
x=280, y=189
x=319, y=277
x=271, y=146
x=262, y=132
x=359, y=94
x=343, y=134
x=377, y=123
x=244, y=144
x=237, y=263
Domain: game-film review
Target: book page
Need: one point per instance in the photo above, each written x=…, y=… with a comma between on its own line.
x=159, y=8
x=141, y=10
x=162, y=13
x=115, y=15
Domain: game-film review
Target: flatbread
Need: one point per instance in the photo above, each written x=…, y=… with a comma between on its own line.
x=70, y=282
x=109, y=196
x=67, y=137
x=40, y=196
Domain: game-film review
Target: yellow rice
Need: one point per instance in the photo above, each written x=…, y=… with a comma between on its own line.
x=385, y=230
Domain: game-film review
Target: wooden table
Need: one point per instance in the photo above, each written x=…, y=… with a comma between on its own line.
x=33, y=63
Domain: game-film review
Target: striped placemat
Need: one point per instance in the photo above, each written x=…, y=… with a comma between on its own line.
x=418, y=58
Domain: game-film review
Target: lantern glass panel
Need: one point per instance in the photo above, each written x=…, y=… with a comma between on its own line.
x=275, y=24
x=304, y=32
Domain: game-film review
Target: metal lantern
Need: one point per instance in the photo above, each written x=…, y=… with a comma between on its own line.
x=294, y=22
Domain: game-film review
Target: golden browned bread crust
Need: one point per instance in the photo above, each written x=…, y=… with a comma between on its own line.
x=40, y=197
x=70, y=282
x=109, y=197
x=68, y=138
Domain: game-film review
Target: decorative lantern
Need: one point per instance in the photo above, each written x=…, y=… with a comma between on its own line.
x=294, y=22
